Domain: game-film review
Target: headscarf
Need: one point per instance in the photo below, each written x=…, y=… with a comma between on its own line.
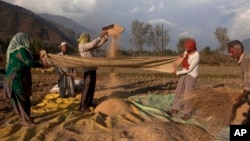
x=84, y=38
x=20, y=40
x=190, y=44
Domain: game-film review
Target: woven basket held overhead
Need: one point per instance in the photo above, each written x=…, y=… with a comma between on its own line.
x=113, y=29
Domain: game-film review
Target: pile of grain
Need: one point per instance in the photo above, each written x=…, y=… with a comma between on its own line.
x=212, y=107
x=113, y=107
x=165, y=131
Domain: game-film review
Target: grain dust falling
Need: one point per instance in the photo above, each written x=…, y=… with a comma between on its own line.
x=112, y=50
x=112, y=53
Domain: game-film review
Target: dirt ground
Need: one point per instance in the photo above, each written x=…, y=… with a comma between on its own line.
x=123, y=85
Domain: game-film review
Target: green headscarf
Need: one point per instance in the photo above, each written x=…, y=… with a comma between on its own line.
x=20, y=40
x=84, y=38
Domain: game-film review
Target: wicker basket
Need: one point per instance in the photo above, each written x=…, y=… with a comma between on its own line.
x=113, y=29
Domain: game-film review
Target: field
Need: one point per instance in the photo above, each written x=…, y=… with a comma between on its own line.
x=122, y=83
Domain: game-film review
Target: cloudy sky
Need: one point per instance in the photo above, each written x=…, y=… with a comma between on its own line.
x=195, y=18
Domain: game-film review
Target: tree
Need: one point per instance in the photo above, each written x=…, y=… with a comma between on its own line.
x=221, y=36
x=206, y=51
x=158, y=38
x=180, y=44
x=140, y=31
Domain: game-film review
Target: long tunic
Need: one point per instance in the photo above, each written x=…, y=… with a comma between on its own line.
x=66, y=81
x=18, y=81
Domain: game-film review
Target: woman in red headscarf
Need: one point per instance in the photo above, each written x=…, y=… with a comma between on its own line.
x=188, y=75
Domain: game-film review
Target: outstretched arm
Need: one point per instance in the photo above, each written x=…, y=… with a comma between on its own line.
x=88, y=46
x=94, y=43
x=26, y=58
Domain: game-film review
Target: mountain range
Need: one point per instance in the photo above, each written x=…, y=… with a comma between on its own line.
x=67, y=23
x=16, y=19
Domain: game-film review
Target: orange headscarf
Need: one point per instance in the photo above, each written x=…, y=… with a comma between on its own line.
x=190, y=45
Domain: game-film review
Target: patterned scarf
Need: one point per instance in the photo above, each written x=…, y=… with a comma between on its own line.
x=20, y=40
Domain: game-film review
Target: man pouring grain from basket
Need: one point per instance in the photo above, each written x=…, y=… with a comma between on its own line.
x=236, y=50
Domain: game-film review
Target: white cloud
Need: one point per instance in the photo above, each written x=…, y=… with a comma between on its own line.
x=225, y=11
x=240, y=24
x=151, y=9
x=134, y=10
x=185, y=34
x=245, y=15
x=180, y=4
x=160, y=21
x=58, y=7
x=148, y=2
x=191, y=31
x=77, y=6
x=161, y=5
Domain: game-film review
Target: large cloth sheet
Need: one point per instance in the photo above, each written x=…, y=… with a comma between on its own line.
x=161, y=64
x=62, y=114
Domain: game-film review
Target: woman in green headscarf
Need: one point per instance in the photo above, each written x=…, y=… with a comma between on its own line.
x=17, y=80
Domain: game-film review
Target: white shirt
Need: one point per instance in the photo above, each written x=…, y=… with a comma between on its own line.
x=193, y=60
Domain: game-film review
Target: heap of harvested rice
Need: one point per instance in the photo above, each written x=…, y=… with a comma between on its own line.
x=113, y=107
x=165, y=131
x=212, y=108
x=145, y=131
